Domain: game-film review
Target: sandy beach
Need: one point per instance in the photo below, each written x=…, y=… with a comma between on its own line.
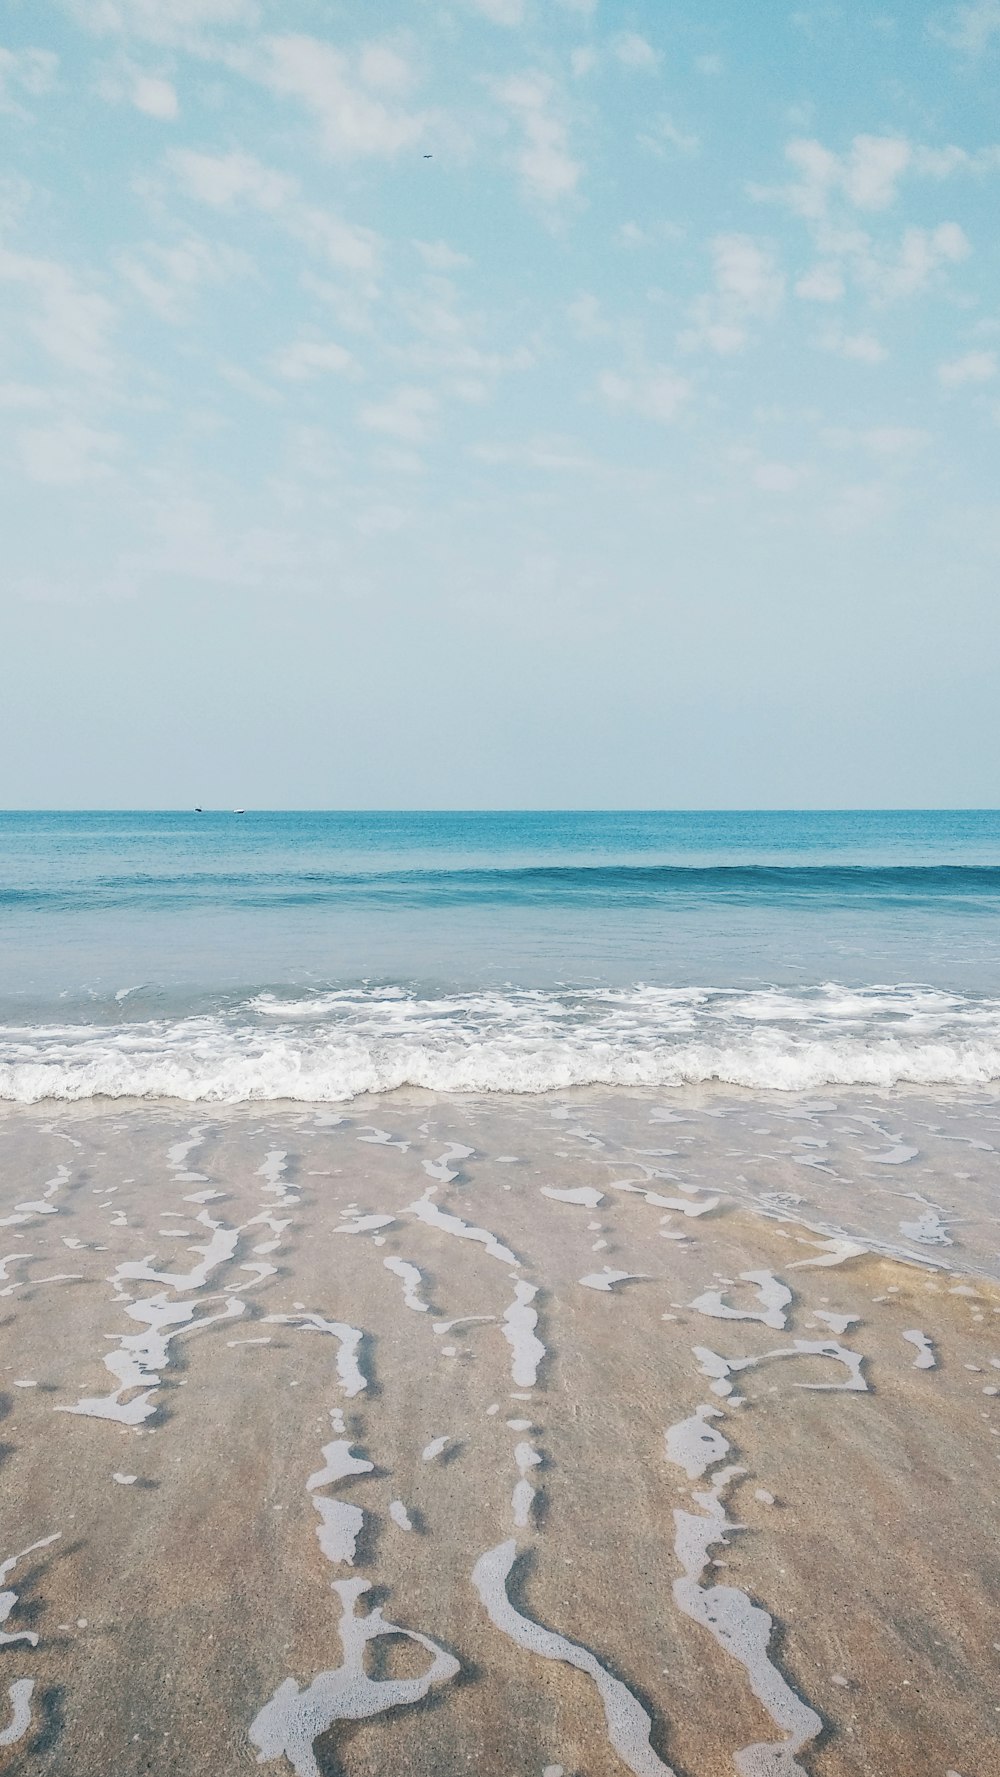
x=590, y=1434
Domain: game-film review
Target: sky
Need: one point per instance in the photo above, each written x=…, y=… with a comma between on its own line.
x=499, y=403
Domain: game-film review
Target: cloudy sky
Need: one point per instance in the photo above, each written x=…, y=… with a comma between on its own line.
x=499, y=403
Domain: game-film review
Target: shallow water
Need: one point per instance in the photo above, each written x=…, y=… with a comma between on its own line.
x=580, y=1434
x=316, y=956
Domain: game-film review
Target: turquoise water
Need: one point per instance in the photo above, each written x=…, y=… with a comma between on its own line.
x=315, y=955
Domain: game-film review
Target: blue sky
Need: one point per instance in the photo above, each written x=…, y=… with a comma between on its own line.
x=636, y=448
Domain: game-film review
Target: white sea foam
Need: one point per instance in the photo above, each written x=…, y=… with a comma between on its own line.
x=925, y=1359
x=352, y=1380
x=426, y=1210
x=773, y=1296
x=520, y=1321
x=628, y=1725
x=334, y=1046
x=411, y=1281
x=294, y=1719
x=20, y=1707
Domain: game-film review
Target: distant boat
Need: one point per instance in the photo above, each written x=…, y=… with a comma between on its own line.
x=198, y=811
x=239, y=811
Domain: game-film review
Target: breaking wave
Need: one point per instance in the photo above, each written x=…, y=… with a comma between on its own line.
x=333, y=1046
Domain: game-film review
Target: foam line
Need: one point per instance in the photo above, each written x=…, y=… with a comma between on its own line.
x=293, y=1720
x=925, y=1359
x=834, y=1251
x=218, y=1249
x=629, y=1727
x=743, y=1630
x=365, y=1224
x=439, y=1168
x=606, y=1279
x=142, y=1356
x=695, y=1446
x=772, y=1295
x=927, y=1230
x=426, y=1210
x=522, y=1498
x=352, y=1380
x=585, y=1195
x=411, y=1279
x=8, y=1598
x=20, y=1703
x=720, y=1368
x=339, y=1463
x=520, y=1321
x=381, y=1138
x=338, y=1530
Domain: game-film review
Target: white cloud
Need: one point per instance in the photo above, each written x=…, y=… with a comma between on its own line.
x=162, y=21
x=582, y=61
x=658, y=394
x=665, y=135
x=634, y=51
x=748, y=286
x=226, y=180
x=710, y=65
x=501, y=12
x=71, y=324
x=353, y=121
x=867, y=175
x=407, y=414
x=778, y=478
x=438, y=256
x=970, y=28
x=167, y=277
x=921, y=253
x=29, y=72
x=385, y=69
x=823, y=283
x=586, y=317
x=547, y=168
x=155, y=96
x=305, y=359
x=23, y=396
x=885, y=443
x=861, y=348
x=66, y=453
x=745, y=272
x=974, y=367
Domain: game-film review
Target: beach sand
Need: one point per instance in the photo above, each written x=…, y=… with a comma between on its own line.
x=664, y=1430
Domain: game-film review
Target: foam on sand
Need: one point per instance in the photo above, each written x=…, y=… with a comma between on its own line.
x=411, y=1280
x=774, y=1298
x=606, y=1279
x=352, y=1381
x=629, y=1727
x=294, y=1719
x=426, y=1210
x=925, y=1359
x=520, y=1321
x=20, y=1711
x=743, y=1630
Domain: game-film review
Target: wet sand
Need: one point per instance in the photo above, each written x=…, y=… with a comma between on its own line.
x=598, y=1434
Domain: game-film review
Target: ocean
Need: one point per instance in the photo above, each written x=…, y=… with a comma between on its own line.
x=225, y=957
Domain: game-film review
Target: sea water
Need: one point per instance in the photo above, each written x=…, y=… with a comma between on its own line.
x=225, y=957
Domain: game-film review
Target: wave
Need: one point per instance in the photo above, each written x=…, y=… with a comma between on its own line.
x=597, y=882
x=334, y=1046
